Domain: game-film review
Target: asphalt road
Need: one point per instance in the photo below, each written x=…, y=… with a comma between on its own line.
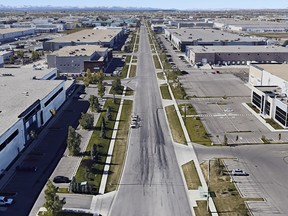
x=151, y=182
x=46, y=155
x=267, y=166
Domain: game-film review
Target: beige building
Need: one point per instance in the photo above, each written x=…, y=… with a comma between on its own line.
x=236, y=55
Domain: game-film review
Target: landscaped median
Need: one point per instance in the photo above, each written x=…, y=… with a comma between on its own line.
x=165, y=92
x=156, y=62
x=175, y=126
x=133, y=71
x=118, y=158
x=191, y=176
x=196, y=130
x=89, y=170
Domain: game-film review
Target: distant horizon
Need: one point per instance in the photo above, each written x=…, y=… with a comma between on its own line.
x=157, y=4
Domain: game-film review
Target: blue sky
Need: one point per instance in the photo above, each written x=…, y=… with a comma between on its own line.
x=178, y=4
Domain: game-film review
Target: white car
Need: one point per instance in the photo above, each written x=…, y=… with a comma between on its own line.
x=5, y=201
x=239, y=172
x=133, y=124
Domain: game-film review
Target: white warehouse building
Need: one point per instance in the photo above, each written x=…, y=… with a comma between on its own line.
x=269, y=91
x=28, y=98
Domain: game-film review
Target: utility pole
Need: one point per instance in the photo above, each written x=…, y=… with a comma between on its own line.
x=185, y=113
x=208, y=185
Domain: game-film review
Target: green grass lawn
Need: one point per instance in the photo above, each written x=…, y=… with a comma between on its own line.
x=133, y=71
x=178, y=91
x=160, y=75
x=90, y=170
x=165, y=92
x=197, y=131
x=120, y=147
x=175, y=126
x=156, y=62
x=124, y=71
x=129, y=92
x=190, y=110
x=191, y=176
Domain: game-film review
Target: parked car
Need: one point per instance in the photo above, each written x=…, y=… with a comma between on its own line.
x=61, y=179
x=5, y=201
x=239, y=172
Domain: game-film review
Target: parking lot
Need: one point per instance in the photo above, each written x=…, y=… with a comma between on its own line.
x=204, y=83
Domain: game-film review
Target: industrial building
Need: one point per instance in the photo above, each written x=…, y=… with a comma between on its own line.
x=269, y=91
x=106, y=38
x=250, y=25
x=181, y=38
x=28, y=98
x=232, y=55
x=11, y=34
x=77, y=59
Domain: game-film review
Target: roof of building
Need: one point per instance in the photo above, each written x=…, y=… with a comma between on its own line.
x=89, y=35
x=238, y=49
x=208, y=34
x=251, y=23
x=81, y=50
x=19, y=91
x=10, y=30
x=279, y=70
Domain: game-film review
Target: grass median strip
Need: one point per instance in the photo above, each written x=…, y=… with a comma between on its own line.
x=175, y=126
x=197, y=131
x=160, y=75
x=120, y=147
x=90, y=170
x=178, y=91
x=201, y=209
x=133, y=71
x=165, y=92
x=156, y=62
x=191, y=176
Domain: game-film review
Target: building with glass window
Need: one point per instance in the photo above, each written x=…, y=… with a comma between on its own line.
x=269, y=91
x=28, y=100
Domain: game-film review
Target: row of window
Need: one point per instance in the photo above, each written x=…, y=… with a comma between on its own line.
x=68, y=65
x=53, y=97
x=8, y=140
x=256, y=99
x=267, y=108
x=281, y=116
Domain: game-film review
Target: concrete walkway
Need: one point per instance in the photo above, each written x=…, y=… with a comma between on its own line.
x=191, y=155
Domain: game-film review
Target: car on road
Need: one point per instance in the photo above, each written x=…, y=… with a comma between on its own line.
x=133, y=124
x=27, y=168
x=239, y=172
x=5, y=201
x=61, y=179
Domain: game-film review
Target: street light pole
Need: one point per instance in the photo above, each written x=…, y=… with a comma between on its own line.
x=208, y=185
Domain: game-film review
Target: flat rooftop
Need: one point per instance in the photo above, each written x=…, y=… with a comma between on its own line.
x=11, y=30
x=20, y=91
x=89, y=36
x=251, y=23
x=209, y=35
x=238, y=49
x=81, y=50
x=280, y=70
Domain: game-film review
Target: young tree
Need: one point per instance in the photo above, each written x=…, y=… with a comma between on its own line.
x=101, y=89
x=86, y=121
x=53, y=204
x=73, y=141
x=108, y=113
x=103, y=128
x=94, y=152
x=116, y=85
x=11, y=60
x=94, y=103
